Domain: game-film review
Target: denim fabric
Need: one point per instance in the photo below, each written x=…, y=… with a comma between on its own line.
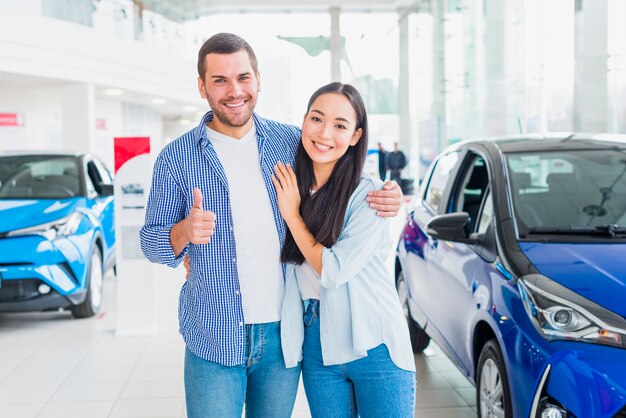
x=267, y=387
x=370, y=387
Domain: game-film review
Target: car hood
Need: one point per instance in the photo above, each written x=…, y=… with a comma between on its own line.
x=24, y=213
x=594, y=271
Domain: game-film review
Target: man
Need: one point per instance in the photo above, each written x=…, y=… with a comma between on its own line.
x=396, y=161
x=212, y=199
x=382, y=162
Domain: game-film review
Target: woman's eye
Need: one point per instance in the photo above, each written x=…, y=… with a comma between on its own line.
x=315, y=119
x=340, y=126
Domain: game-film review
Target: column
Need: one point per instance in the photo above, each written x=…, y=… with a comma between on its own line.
x=439, y=80
x=590, y=66
x=335, y=44
x=406, y=141
x=78, y=117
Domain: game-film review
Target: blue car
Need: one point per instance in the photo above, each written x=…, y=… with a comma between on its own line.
x=513, y=260
x=57, y=236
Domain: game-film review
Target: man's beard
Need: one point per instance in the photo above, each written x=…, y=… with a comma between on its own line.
x=227, y=120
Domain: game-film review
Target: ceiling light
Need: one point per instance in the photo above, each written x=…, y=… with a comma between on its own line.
x=159, y=101
x=113, y=92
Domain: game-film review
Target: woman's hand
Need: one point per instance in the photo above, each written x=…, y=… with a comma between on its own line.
x=286, y=186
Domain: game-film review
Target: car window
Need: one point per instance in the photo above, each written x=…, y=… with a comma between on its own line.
x=105, y=174
x=471, y=192
x=568, y=188
x=94, y=177
x=39, y=177
x=486, y=214
x=439, y=179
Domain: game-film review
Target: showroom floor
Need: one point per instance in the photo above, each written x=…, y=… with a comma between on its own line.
x=52, y=366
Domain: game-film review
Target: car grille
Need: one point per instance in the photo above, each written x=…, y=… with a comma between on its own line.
x=621, y=414
x=17, y=290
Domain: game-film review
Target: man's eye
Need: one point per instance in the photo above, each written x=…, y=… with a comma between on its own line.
x=219, y=81
x=244, y=78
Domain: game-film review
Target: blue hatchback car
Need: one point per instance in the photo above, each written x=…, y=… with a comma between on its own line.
x=511, y=261
x=57, y=236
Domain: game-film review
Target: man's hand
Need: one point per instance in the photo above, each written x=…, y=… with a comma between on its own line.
x=387, y=201
x=196, y=228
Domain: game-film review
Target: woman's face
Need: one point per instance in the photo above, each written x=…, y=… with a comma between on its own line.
x=329, y=128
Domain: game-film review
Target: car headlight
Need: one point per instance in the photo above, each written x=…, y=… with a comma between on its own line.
x=560, y=314
x=52, y=230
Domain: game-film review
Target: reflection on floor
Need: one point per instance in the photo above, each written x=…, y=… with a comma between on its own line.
x=54, y=366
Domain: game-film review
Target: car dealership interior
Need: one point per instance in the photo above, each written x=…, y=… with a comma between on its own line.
x=512, y=119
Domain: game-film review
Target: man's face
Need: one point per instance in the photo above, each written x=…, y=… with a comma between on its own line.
x=231, y=87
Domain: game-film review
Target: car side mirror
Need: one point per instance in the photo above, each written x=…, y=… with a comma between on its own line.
x=450, y=227
x=105, y=189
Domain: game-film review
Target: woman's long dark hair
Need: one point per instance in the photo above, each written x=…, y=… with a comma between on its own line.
x=324, y=211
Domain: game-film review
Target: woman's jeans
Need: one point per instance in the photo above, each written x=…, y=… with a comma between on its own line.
x=372, y=386
x=267, y=387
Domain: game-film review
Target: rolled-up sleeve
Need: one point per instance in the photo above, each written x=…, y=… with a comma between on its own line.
x=166, y=207
x=362, y=236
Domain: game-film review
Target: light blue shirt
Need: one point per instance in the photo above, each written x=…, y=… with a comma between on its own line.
x=359, y=306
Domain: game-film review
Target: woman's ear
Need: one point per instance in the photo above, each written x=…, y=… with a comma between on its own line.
x=356, y=136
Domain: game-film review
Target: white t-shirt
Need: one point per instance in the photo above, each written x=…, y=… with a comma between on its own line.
x=308, y=281
x=258, y=248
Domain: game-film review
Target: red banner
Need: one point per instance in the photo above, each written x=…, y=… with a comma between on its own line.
x=129, y=147
x=11, y=119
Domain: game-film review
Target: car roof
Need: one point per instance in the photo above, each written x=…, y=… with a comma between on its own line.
x=557, y=141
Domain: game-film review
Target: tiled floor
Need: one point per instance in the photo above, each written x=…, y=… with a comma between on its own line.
x=54, y=366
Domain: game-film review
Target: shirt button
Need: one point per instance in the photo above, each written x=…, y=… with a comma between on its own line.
x=237, y=292
x=240, y=324
x=231, y=229
x=234, y=260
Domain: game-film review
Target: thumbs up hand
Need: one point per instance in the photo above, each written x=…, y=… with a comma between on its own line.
x=199, y=225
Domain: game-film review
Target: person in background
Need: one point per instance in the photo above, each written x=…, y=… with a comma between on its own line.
x=382, y=162
x=396, y=161
x=341, y=313
x=212, y=199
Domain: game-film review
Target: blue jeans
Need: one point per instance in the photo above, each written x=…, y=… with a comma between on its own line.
x=263, y=382
x=372, y=386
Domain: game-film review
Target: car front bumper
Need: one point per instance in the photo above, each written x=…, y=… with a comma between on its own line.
x=28, y=262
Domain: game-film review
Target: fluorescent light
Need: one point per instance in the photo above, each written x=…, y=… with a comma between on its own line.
x=159, y=101
x=113, y=92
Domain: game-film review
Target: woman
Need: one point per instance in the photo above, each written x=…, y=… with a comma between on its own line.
x=354, y=342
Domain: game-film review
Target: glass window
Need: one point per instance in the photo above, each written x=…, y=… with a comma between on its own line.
x=439, y=180
x=486, y=214
x=39, y=177
x=472, y=190
x=568, y=188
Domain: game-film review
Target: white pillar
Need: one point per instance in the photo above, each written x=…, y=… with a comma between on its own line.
x=335, y=44
x=590, y=66
x=496, y=106
x=406, y=140
x=78, y=117
x=438, y=9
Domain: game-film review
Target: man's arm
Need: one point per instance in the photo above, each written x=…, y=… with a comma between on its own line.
x=386, y=201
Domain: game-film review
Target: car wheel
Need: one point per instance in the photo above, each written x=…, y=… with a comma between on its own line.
x=419, y=338
x=493, y=396
x=93, y=300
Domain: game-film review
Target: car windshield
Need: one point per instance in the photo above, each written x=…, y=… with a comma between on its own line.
x=39, y=177
x=569, y=192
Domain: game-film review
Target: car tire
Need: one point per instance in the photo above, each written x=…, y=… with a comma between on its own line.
x=419, y=338
x=493, y=396
x=93, y=300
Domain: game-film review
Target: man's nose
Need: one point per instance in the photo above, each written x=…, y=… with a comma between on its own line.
x=235, y=89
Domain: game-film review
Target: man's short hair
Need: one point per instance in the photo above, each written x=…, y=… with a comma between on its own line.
x=224, y=43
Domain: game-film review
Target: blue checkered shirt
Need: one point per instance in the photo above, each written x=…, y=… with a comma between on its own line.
x=210, y=307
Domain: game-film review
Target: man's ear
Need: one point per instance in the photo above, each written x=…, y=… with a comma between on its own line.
x=258, y=81
x=356, y=136
x=201, y=88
